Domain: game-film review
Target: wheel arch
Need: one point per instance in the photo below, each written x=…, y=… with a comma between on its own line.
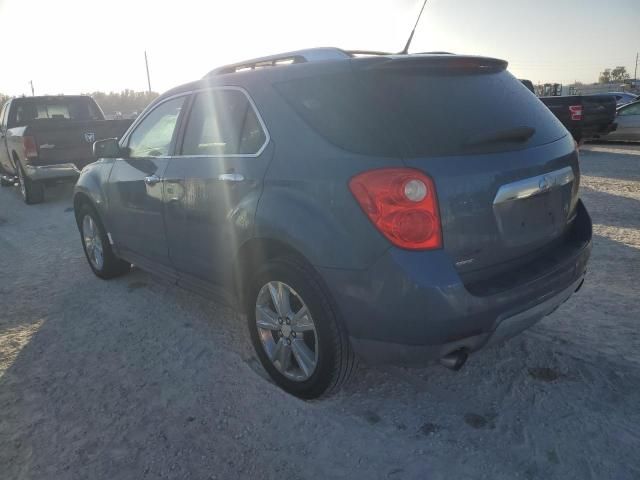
x=89, y=191
x=252, y=255
x=80, y=199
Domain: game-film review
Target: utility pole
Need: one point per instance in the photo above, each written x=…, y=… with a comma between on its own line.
x=146, y=62
x=32, y=91
x=635, y=73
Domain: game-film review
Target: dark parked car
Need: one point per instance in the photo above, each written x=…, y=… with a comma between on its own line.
x=48, y=139
x=586, y=117
x=348, y=206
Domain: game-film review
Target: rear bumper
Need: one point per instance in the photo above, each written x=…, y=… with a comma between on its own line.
x=596, y=131
x=61, y=171
x=413, y=306
x=507, y=326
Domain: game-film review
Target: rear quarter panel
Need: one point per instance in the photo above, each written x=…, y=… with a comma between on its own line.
x=14, y=148
x=306, y=202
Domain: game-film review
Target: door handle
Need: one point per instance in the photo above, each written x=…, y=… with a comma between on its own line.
x=231, y=177
x=151, y=179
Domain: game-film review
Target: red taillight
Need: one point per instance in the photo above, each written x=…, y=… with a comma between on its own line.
x=576, y=112
x=402, y=204
x=29, y=145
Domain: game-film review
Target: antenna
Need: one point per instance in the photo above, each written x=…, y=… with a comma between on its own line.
x=405, y=50
x=146, y=62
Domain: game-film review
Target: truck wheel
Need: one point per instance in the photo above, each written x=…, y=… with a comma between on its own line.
x=96, y=246
x=295, y=330
x=32, y=192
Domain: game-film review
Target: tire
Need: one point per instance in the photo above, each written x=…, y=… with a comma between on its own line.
x=94, y=239
x=327, y=342
x=32, y=192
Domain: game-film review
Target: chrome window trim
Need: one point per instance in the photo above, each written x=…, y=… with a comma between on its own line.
x=532, y=186
x=255, y=110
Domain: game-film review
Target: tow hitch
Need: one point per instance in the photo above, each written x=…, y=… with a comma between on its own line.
x=454, y=360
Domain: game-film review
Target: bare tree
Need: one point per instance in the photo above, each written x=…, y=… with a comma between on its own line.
x=619, y=74
x=605, y=76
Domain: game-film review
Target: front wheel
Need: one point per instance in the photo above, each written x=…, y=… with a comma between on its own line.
x=296, y=332
x=96, y=246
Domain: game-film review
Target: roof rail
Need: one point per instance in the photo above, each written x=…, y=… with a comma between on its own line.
x=368, y=52
x=298, y=56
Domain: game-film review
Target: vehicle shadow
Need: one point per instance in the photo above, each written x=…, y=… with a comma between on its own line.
x=610, y=209
x=55, y=194
x=136, y=375
x=617, y=166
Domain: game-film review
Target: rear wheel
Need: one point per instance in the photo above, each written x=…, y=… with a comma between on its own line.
x=295, y=330
x=32, y=192
x=96, y=246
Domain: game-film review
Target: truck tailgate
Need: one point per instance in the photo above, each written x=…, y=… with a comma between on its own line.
x=66, y=141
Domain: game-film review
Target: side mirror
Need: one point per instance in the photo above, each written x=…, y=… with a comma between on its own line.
x=108, y=148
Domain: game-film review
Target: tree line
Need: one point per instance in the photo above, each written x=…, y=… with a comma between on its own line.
x=126, y=102
x=618, y=74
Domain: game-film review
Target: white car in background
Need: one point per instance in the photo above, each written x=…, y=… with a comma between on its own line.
x=628, y=120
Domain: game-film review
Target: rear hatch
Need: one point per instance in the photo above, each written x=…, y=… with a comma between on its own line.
x=69, y=141
x=505, y=169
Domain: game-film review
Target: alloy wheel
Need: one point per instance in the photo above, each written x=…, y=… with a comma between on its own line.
x=23, y=187
x=92, y=242
x=287, y=331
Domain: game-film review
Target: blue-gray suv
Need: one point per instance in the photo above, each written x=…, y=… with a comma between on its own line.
x=398, y=208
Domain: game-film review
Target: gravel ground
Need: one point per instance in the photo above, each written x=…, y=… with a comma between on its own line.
x=135, y=378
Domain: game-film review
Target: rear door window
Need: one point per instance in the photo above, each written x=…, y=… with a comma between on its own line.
x=415, y=113
x=223, y=122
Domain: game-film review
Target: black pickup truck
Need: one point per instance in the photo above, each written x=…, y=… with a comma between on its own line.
x=585, y=116
x=49, y=139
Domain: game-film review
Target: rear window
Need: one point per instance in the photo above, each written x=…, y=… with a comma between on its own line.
x=414, y=113
x=54, y=108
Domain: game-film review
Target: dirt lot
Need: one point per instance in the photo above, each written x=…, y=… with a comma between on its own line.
x=135, y=378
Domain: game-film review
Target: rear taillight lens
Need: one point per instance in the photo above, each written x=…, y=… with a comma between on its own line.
x=29, y=145
x=402, y=204
x=576, y=112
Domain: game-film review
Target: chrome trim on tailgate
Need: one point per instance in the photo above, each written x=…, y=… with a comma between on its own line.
x=530, y=187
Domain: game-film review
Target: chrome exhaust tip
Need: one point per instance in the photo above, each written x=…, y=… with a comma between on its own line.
x=454, y=360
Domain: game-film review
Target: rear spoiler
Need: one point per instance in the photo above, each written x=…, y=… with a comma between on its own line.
x=433, y=62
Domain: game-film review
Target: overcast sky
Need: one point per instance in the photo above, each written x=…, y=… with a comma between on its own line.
x=73, y=46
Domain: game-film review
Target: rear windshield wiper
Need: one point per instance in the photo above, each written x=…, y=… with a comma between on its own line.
x=517, y=134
